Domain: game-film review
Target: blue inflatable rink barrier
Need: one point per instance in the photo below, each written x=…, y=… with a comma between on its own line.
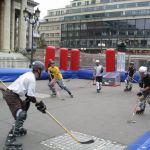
x=85, y=74
x=10, y=74
x=142, y=143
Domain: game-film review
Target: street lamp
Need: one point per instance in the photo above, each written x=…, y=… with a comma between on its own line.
x=32, y=18
x=101, y=45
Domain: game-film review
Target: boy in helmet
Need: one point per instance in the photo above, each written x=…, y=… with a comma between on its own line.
x=97, y=73
x=57, y=78
x=144, y=91
x=130, y=75
x=23, y=86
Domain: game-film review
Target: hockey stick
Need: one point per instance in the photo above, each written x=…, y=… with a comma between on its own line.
x=133, y=114
x=135, y=81
x=3, y=84
x=67, y=131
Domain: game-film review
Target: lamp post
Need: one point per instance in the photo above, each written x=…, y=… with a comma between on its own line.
x=32, y=18
x=101, y=45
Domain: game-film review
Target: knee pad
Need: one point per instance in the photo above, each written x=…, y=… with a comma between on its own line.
x=22, y=115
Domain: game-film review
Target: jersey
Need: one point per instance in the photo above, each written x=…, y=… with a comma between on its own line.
x=131, y=71
x=146, y=81
x=98, y=70
x=23, y=85
x=55, y=72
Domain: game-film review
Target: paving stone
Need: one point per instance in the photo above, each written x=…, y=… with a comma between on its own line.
x=65, y=142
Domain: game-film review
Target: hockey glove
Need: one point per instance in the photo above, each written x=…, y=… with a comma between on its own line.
x=141, y=84
x=30, y=99
x=41, y=106
x=139, y=93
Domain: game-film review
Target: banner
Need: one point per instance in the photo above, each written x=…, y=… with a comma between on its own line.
x=121, y=58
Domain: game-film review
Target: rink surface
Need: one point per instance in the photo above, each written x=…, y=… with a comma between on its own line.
x=101, y=115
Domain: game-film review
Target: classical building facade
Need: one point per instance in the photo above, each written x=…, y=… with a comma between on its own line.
x=15, y=33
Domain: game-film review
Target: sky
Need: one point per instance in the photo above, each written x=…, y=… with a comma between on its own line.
x=45, y=5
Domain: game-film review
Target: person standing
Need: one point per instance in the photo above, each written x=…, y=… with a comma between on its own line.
x=130, y=75
x=57, y=78
x=24, y=86
x=97, y=73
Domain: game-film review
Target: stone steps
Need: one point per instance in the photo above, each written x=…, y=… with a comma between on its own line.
x=13, y=60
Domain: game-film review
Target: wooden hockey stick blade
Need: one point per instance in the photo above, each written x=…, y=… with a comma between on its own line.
x=67, y=131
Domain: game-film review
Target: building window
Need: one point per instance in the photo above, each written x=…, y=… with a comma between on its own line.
x=93, y=1
x=141, y=4
x=147, y=24
x=129, y=5
x=73, y=4
x=87, y=3
x=140, y=24
x=79, y=4
x=104, y=1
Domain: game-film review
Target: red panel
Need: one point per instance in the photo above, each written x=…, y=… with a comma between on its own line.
x=110, y=60
x=63, y=62
x=50, y=54
x=75, y=59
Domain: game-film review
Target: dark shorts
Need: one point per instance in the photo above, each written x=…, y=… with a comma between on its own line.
x=99, y=79
x=13, y=101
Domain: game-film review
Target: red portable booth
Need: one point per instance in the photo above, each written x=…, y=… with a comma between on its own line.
x=75, y=59
x=110, y=60
x=50, y=54
x=63, y=62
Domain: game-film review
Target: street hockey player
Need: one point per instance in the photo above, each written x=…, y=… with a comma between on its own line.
x=130, y=75
x=23, y=86
x=97, y=73
x=144, y=92
x=57, y=78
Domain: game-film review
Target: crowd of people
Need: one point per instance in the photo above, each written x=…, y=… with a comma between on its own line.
x=25, y=86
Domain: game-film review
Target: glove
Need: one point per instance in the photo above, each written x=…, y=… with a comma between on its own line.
x=41, y=106
x=30, y=99
x=139, y=93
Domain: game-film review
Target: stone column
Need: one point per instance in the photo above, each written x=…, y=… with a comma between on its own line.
x=1, y=21
x=12, y=26
x=22, y=26
x=6, y=26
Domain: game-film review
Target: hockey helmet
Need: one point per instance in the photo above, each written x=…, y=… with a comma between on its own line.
x=97, y=61
x=37, y=66
x=52, y=62
x=143, y=69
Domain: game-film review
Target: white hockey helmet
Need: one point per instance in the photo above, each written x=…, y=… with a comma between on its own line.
x=97, y=61
x=143, y=69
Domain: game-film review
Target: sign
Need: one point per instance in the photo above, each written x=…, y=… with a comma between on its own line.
x=121, y=58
